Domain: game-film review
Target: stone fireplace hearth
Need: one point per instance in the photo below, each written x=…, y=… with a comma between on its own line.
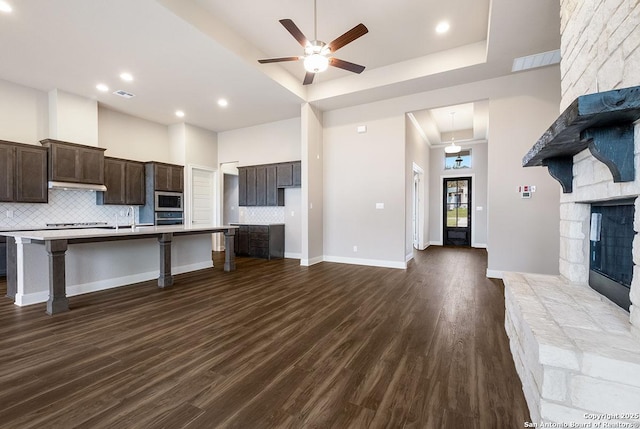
x=576, y=352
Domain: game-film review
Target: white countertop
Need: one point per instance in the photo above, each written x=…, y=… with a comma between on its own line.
x=88, y=233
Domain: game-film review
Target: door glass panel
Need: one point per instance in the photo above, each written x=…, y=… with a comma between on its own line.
x=457, y=203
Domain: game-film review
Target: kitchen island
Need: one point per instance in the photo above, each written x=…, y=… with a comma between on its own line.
x=48, y=265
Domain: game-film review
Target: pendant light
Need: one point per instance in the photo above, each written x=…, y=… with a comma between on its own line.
x=453, y=147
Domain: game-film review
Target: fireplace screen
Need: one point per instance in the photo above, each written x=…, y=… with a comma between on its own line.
x=611, y=255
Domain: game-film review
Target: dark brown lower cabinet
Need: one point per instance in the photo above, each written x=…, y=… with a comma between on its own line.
x=3, y=256
x=260, y=241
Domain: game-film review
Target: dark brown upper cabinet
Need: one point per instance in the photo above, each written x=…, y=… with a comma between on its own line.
x=168, y=177
x=263, y=185
x=297, y=174
x=23, y=173
x=135, y=183
x=7, y=171
x=70, y=162
x=124, y=180
x=252, y=186
x=31, y=174
x=242, y=186
x=289, y=174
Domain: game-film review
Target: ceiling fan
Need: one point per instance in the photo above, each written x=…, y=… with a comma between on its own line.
x=317, y=54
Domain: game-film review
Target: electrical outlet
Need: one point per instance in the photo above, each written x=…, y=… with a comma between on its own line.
x=293, y=213
x=355, y=248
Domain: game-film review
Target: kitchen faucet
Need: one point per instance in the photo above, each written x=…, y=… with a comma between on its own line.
x=132, y=221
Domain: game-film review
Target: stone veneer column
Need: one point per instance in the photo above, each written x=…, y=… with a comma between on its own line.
x=574, y=254
x=600, y=40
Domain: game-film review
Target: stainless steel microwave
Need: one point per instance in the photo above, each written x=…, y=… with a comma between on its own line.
x=168, y=201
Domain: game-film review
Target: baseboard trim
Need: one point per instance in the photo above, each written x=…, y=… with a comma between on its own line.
x=435, y=243
x=22, y=300
x=312, y=261
x=293, y=255
x=366, y=262
x=479, y=245
x=495, y=274
x=408, y=257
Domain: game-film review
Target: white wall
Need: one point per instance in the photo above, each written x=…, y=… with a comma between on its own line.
x=201, y=147
x=523, y=233
x=73, y=118
x=126, y=136
x=262, y=144
x=24, y=113
x=312, y=204
x=478, y=172
x=362, y=169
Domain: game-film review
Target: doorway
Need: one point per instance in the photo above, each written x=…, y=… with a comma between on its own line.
x=417, y=215
x=457, y=211
x=202, y=196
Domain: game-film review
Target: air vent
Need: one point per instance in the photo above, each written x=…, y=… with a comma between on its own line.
x=536, y=60
x=124, y=94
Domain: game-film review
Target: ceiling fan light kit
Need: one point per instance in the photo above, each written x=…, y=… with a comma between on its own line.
x=316, y=63
x=317, y=53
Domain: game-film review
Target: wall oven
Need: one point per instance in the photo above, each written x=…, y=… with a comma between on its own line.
x=169, y=218
x=168, y=201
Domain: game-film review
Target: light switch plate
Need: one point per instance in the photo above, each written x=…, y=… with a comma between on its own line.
x=379, y=206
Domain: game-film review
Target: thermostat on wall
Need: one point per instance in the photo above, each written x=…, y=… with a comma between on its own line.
x=526, y=190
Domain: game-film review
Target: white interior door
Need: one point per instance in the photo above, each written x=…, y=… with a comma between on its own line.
x=202, y=197
x=416, y=210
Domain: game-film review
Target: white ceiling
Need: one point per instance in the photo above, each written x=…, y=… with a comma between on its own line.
x=185, y=54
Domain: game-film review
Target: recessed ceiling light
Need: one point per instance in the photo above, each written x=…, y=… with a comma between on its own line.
x=102, y=87
x=179, y=113
x=126, y=76
x=223, y=103
x=5, y=7
x=442, y=27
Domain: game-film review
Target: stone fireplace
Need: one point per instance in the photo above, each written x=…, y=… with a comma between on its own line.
x=576, y=352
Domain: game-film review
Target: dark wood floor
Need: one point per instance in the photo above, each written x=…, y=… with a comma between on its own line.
x=272, y=344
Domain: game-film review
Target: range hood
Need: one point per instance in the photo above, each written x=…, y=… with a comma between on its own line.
x=70, y=186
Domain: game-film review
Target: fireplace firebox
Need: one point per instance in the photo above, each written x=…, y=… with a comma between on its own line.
x=611, y=250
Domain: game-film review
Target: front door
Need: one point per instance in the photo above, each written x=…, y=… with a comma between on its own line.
x=457, y=211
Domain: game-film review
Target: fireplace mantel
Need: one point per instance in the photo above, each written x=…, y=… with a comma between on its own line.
x=602, y=122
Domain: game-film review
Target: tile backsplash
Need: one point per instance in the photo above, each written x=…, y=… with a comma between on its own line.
x=64, y=206
x=261, y=215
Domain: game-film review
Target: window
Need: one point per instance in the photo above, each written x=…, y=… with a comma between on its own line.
x=456, y=161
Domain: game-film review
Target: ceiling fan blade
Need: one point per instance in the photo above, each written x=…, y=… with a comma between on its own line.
x=348, y=37
x=346, y=65
x=278, y=60
x=295, y=31
x=308, y=78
